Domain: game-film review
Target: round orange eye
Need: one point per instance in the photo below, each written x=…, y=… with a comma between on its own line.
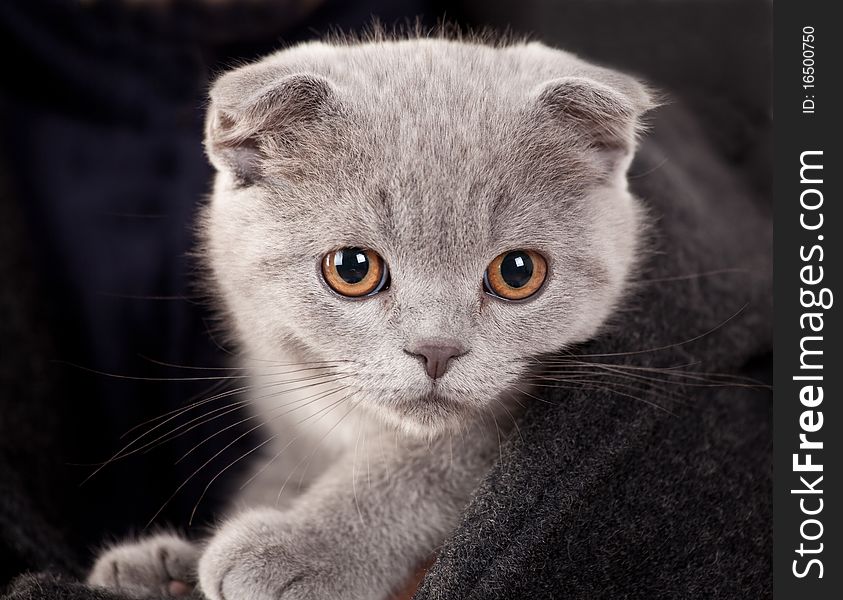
x=355, y=272
x=515, y=275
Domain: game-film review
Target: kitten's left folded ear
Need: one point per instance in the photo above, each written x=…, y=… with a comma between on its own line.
x=605, y=116
x=262, y=109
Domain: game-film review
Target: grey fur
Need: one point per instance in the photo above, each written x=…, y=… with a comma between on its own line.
x=439, y=155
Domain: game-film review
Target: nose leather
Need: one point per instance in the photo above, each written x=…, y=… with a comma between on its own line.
x=436, y=356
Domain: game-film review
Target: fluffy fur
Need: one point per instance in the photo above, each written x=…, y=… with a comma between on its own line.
x=439, y=156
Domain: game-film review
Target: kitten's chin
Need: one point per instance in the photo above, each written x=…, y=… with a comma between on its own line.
x=427, y=415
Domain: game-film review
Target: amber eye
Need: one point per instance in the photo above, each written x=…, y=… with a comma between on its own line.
x=355, y=272
x=515, y=275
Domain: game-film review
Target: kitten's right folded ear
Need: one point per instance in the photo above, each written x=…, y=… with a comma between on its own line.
x=255, y=113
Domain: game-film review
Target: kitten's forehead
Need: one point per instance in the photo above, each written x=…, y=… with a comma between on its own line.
x=461, y=201
x=462, y=198
x=447, y=173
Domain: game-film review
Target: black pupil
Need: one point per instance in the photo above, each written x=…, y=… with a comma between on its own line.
x=351, y=264
x=517, y=269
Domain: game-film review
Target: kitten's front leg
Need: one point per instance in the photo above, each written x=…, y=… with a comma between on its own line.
x=350, y=536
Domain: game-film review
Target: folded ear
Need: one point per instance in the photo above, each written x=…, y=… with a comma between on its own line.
x=254, y=113
x=605, y=117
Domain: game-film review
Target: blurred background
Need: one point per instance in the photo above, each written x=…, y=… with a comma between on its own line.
x=101, y=174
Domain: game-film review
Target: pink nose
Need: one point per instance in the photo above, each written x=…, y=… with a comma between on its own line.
x=436, y=355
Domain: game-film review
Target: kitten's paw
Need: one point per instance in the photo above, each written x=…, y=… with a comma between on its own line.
x=161, y=566
x=261, y=556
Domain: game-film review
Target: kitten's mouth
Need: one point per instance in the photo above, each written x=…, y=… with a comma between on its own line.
x=434, y=400
x=427, y=413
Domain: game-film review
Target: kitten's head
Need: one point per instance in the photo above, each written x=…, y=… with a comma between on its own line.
x=434, y=213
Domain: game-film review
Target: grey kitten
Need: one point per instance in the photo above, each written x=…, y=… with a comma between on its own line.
x=397, y=229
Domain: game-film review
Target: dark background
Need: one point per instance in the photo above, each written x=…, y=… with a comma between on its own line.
x=101, y=172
